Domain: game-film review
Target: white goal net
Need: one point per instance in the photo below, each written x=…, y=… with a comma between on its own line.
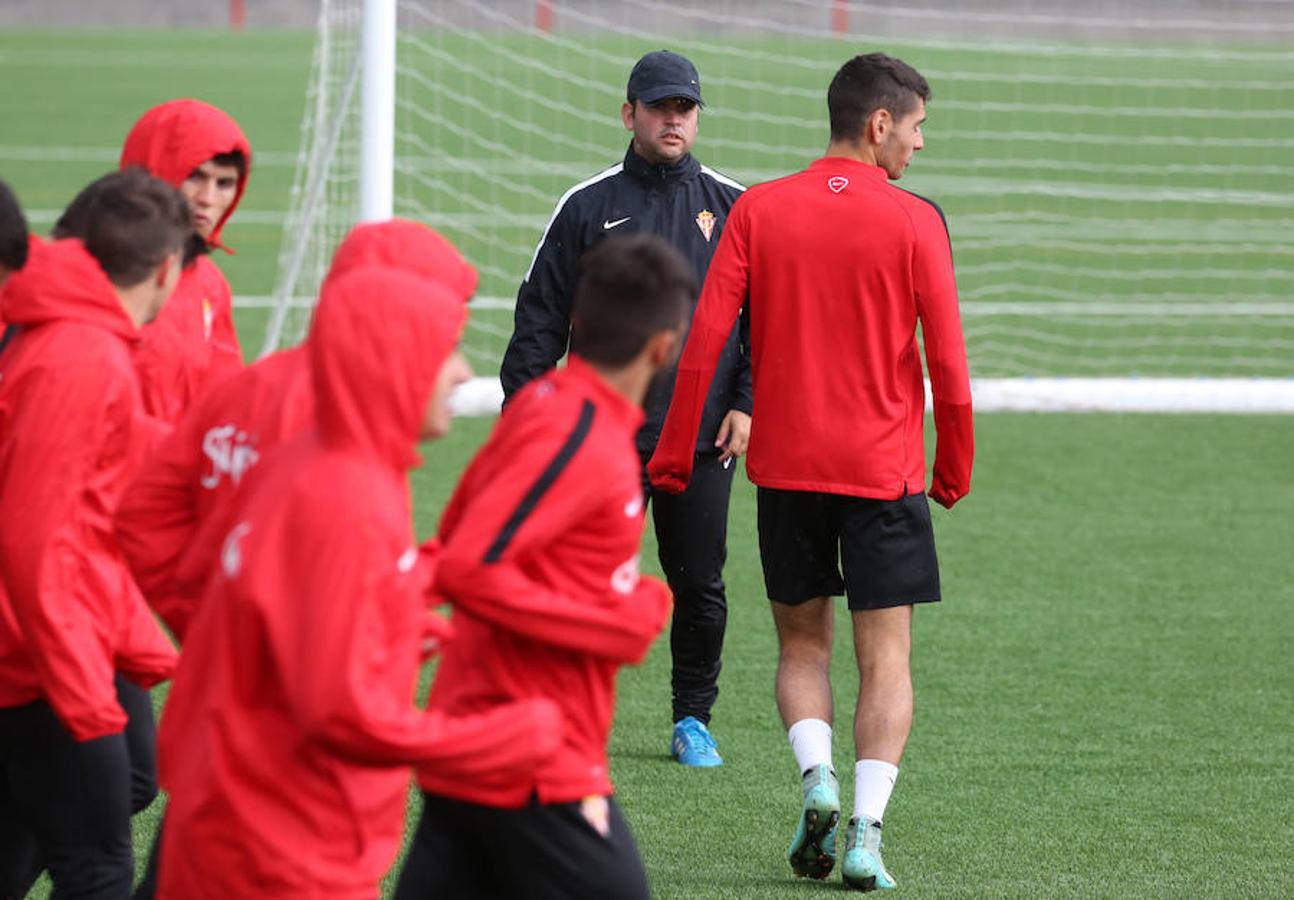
x=1118, y=177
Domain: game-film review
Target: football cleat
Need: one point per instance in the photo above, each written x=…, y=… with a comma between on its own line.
x=692, y=744
x=813, y=852
x=862, y=868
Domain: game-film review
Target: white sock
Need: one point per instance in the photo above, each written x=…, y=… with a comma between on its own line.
x=873, y=783
x=811, y=744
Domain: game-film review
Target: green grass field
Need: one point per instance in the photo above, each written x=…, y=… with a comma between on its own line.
x=1105, y=697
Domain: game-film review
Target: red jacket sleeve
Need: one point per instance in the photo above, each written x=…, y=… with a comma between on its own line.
x=483, y=574
x=338, y=665
x=726, y=283
x=936, y=295
x=157, y=519
x=72, y=597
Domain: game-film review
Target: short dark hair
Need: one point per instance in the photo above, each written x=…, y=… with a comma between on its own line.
x=129, y=221
x=867, y=83
x=631, y=287
x=13, y=231
x=234, y=158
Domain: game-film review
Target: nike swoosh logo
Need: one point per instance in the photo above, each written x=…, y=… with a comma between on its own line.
x=608, y=224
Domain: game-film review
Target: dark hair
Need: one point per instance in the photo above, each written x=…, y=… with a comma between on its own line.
x=867, y=83
x=234, y=158
x=129, y=221
x=13, y=231
x=630, y=288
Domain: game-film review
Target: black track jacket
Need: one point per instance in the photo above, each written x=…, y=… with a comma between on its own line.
x=687, y=204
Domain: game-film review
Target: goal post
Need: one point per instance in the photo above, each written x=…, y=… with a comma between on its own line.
x=1118, y=187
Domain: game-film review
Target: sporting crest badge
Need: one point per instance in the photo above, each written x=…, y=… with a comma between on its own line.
x=705, y=221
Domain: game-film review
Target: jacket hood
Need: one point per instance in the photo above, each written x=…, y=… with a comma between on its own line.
x=174, y=138
x=410, y=247
x=379, y=340
x=63, y=282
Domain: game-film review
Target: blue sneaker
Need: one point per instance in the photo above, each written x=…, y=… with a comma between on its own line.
x=862, y=868
x=813, y=852
x=692, y=744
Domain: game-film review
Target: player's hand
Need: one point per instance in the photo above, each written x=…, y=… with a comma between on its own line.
x=733, y=437
x=437, y=631
x=668, y=475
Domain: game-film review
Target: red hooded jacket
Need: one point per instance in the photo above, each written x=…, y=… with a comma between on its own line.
x=193, y=342
x=184, y=490
x=291, y=724
x=71, y=436
x=540, y=561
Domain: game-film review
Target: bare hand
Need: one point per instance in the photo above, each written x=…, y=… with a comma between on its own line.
x=734, y=435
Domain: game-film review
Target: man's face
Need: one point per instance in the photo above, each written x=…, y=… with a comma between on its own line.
x=664, y=132
x=902, y=140
x=210, y=190
x=437, y=416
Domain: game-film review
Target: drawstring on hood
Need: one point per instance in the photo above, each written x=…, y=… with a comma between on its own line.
x=175, y=137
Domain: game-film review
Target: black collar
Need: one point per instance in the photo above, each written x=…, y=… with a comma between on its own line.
x=660, y=176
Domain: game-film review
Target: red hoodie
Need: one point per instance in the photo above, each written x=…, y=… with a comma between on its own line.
x=193, y=342
x=71, y=436
x=184, y=489
x=291, y=724
x=540, y=560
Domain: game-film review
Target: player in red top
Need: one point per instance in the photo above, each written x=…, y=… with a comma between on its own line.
x=184, y=490
x=839, y=267
x=78, y=647
x=200, y=150
x=540, y=562
x=290, y=729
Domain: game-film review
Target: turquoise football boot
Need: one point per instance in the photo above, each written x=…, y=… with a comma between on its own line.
x=862, y=867
x=813, y=852
x=692, y=744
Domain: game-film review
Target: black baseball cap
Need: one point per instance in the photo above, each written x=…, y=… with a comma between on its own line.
x=661, y=75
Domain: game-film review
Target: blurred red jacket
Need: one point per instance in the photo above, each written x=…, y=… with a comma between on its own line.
x=174, y=515
x=192, y=343
x=291, y=725
x=71, y=436
x=539, y=559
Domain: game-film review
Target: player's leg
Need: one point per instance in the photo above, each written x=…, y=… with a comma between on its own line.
x=556, y=851
x=78, y=797
x=141, y=742
x=797, y=546
x=887, y=550
x=20, y=862
x=692, y=534
x=452, y=854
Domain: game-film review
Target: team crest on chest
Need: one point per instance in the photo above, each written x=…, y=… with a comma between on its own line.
x=705, y=221
x=208, y=318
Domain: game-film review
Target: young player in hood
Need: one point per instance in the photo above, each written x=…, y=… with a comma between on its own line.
x=184, y=490
x=540, y=560
x=71, y=619
x=202, y=151
x=291, y=726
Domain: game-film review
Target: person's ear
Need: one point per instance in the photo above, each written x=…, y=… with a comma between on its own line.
x=627, y=115
x=879, y=124
x=663, y=348
x=163, y=272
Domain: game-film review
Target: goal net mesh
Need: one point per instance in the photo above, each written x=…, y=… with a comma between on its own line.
x=1118, y=177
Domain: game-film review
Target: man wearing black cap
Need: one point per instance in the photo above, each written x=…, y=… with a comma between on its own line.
x=658, y=188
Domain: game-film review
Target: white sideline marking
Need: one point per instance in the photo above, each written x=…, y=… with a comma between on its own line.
x=1250, y=396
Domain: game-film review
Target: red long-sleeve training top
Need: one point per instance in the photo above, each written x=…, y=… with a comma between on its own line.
x=192, y=343
x=175, y=513
x=290, y=728
x=71, y=436
x=539, y=559
x=838, y=266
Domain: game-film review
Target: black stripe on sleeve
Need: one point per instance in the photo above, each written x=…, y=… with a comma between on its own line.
x=542, y=484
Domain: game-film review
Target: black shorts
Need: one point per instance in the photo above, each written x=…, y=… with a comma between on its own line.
x=885, y=547
x=542, y=851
